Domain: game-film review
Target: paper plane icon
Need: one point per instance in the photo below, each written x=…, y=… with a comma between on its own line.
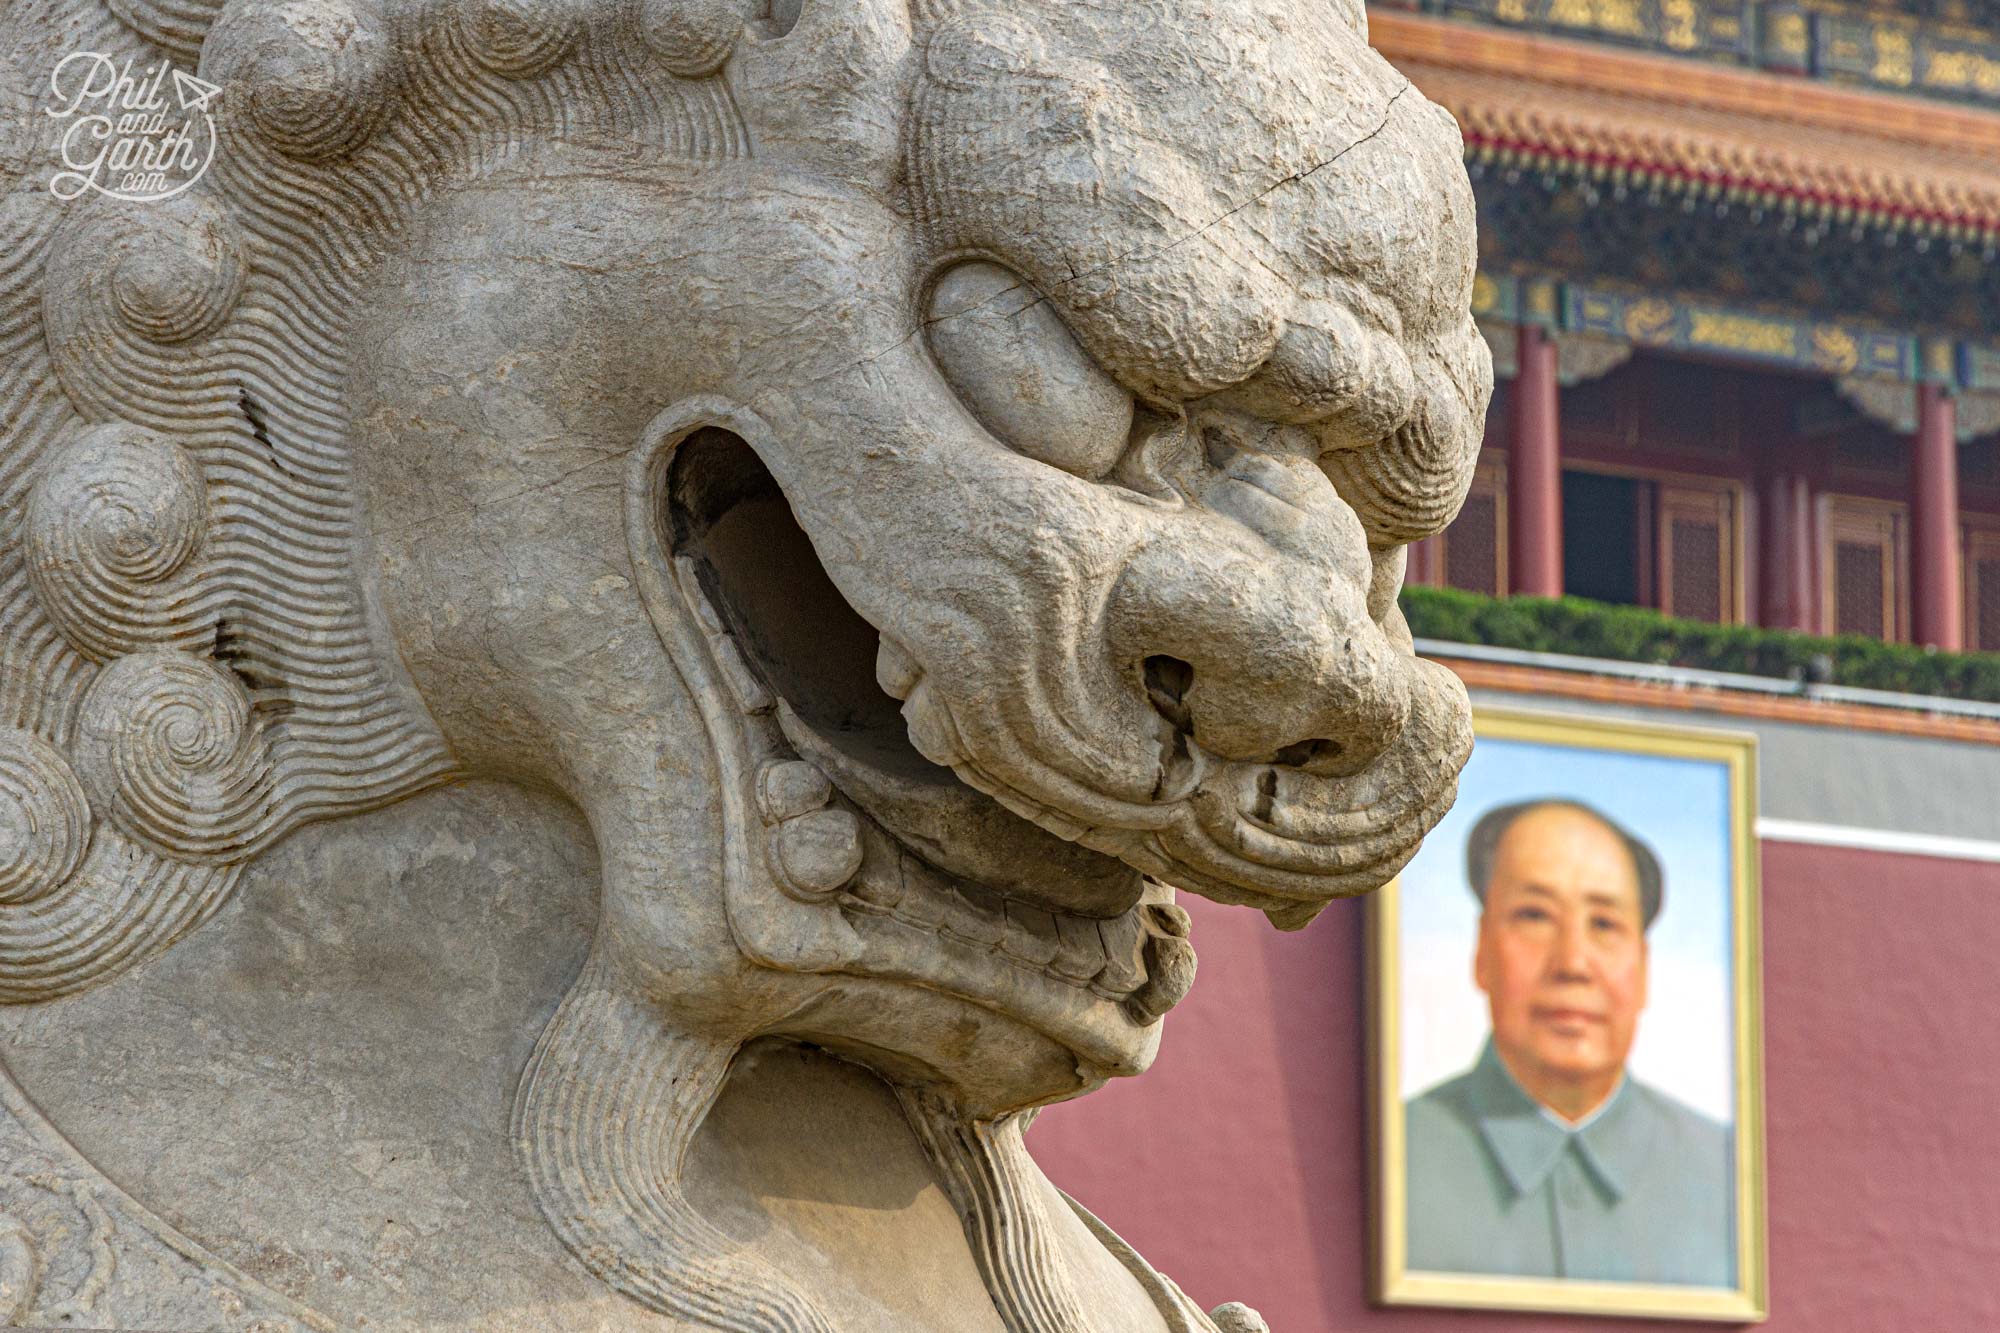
x=193, y=93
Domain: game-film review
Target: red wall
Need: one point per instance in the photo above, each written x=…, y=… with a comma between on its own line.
x=1238, y=1164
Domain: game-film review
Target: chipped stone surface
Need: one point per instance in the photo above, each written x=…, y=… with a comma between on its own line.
x=612, y=630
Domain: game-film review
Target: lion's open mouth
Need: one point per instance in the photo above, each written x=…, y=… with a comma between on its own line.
x=819, y=658
x=941, y=865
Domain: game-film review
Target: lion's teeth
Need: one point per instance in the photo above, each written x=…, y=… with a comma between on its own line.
x=1134, y=959
x=1124, y=954
x=818, y=853
x=1032, y=935
x=931, y=730
x=972, y=916
x=1169, y=973
x=705, y=613
x=884, y=890
x=884, y=878
x=895, y=670
x=1293, y=916
x=751, y=696
x=749, y=691
x=1079, y=950
x=923, y=903
x=1169, y=919
x=790, y=788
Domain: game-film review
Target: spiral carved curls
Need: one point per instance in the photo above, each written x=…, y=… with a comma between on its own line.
x=169, y=750
x=44, y=819
x=114, y=527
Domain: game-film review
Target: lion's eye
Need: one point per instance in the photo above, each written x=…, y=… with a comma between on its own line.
x=1016, y=366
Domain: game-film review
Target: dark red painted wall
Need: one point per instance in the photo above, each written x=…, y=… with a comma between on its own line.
x=1238, y=1165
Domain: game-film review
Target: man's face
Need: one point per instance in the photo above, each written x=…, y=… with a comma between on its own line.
x=1562, y=949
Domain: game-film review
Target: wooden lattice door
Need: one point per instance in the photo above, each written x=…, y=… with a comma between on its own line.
x=1864, y=556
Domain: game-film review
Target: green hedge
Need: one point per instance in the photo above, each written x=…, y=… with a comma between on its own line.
x=1634, y=634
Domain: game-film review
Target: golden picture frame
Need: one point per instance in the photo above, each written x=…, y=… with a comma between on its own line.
x=1690, y=779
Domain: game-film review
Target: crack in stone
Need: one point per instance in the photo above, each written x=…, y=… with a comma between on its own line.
x=1304, y=173
x=487, y=501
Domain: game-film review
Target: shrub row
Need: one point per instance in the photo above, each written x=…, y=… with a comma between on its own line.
x=1635, y=634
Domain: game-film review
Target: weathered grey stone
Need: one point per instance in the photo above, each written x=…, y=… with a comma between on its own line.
x=612, y=632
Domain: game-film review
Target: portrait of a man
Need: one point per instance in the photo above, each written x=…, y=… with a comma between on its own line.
x=1546, y=1159
x=1566, y=1032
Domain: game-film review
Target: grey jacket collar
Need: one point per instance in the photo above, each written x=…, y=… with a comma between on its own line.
x=1528, y=1143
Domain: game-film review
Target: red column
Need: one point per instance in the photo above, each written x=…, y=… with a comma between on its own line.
x=1534, y=471
x=1936, y=607
x=1785, y=556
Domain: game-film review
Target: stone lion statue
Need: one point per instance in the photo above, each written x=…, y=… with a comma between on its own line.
x=778, y=529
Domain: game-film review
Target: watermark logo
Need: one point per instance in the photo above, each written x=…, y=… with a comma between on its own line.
x=140, y=136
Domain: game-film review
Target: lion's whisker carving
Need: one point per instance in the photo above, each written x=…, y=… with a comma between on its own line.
x=989, y=1176
x=608, y=1106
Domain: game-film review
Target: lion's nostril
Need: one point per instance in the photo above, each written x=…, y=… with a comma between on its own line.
x=1267, y=796
x=1217, y=448
x=1306, y=754
x=1168, y=679
x=778, y=17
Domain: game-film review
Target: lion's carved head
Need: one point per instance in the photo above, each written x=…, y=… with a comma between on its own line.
x=920, y=477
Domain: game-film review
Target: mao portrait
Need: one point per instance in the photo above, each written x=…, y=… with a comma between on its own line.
x=1566, y=1028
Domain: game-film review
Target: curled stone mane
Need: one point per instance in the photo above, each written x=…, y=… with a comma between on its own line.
x=187, y=666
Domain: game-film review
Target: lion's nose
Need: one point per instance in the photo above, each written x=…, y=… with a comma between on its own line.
x=1314, y=721
x=1169, y=685
x=1261, y=658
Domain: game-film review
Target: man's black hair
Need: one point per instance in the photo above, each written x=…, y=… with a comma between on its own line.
x=1493, y=825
